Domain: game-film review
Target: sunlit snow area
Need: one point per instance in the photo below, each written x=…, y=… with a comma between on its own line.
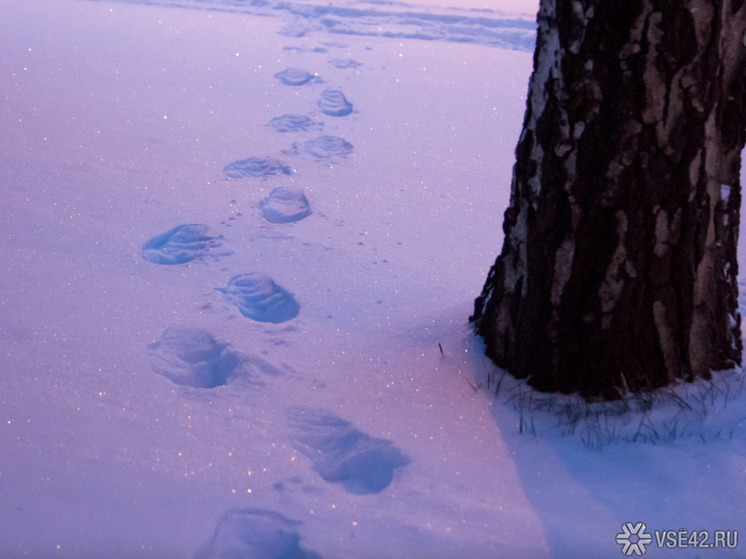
x=242, y=240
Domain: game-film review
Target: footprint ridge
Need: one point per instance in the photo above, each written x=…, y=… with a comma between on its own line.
x=340, y=453
x=179, y=245
x=259, y=298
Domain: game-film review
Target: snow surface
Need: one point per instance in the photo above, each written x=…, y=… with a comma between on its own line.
x=196, y=364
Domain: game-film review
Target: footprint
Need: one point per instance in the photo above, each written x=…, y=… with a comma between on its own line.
x=293, y=123
x=344, y=63
x=256, y=167
x=294, y=76
x=324, y=147
x=259, y=298
x=179, y=245
x=192, y=357
x=334, y=103
x=265, y=534
x=342, y=454
x=285, y=205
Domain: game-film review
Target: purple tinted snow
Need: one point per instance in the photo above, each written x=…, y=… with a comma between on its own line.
x=244, y=533
x=192, y=357
x=340, y=453
x=256, y=167
x=285, y=205
x=179, y=245
x=293, y=123
x=325, y=147
x=259, y=298
x=294, y=77
x=334, y=103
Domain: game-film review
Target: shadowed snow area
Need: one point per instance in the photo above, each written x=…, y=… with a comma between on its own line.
x=483, y=25
x=342, y=454
x=255, y=533
x=192, y=357
x=293, y=123
x=325, y=147
x=344, y=63
x=285, y=204
x=294, y=76
x=179, y=245
x=334, y=103
x=256, y=167
x=259, y=298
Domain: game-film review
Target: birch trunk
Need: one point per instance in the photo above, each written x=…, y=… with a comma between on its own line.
x=618, y=268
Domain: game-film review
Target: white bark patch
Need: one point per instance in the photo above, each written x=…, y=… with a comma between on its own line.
x=576, y=213
x=674, y=109
x=724, y=193
x=655, y=89
x=629, y=267
x=563, y=145
x=562, y=269
x=667, y=231
x=548, y=59
x=635, y=37
x=578, y=130
x=534, y=183
x=667, y=339
x=702, y=14
x=695, y=167
x=515, y=268
x=583, y=16
x=612, y=285
x=570, y=166
x=705, y=291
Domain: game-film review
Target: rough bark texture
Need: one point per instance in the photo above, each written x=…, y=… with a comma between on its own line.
x=618, y=269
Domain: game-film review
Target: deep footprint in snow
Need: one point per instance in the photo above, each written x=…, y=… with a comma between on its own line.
x=334, y=103
x=192, y=357
x=285, y=205
x=324, y=147
x=259, y=298
x=256, y=167
x=245, y=533
x=344, y=63
x=295, y=76
x=293, y=123
x=179, y=245
x=341, y=453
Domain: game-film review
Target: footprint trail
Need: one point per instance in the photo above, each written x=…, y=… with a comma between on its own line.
x=295, y=77
x=334, y=103
x=255, y=533
x=180, y=245
x=293, y=123
x=256, y=167
x=340, y=453
x=259, y=298
x=192, y=357
x=325, y=147
x=285, y=205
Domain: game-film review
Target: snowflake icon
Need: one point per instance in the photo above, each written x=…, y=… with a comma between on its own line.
x=633, y=538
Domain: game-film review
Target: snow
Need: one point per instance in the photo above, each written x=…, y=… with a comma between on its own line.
x=724, y=193
x=225, y=334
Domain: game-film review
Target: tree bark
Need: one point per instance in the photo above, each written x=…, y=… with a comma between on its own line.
x=618, y=269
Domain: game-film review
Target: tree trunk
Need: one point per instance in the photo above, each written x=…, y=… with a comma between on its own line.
x=618, y=269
